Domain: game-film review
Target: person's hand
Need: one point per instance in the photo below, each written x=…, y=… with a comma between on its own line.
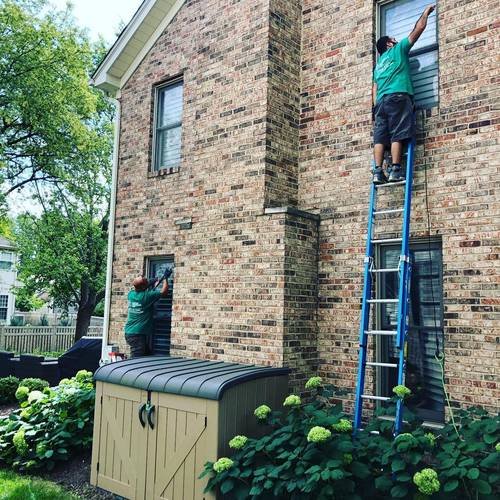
x=168, y=272
x=429, y=10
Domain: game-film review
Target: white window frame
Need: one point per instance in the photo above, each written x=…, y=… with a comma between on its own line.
x=155, y=156
x=6, y=307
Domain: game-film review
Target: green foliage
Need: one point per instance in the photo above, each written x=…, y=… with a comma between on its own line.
x=34, y=384
x=8, y=387
x=27, y=301
x=16, y=487
x=302, y=458
x=48, y=354
x=22, y=393
x=16, y=321
x=50, y=425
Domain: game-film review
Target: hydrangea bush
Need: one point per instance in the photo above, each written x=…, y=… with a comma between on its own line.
x=310, y=453
x=49, y=425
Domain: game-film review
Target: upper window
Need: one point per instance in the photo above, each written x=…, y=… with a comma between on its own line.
x=6, y=260
x=168, y=126
x=425, y=336
x=4, y=303
x=397, y=19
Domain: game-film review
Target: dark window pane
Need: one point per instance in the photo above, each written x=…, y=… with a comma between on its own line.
x=169, y=147
x=170, y=105
x=423, y=374
x=163, y=308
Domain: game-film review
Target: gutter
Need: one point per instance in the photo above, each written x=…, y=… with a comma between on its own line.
x=111, y=236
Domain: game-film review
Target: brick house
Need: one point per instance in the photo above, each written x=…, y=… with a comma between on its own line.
x=243, y=157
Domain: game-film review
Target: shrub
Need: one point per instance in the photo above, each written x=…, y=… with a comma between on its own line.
x=34, y=384
x=49, y=425
x=22, y=393
x=302, y=458
x=8, y=386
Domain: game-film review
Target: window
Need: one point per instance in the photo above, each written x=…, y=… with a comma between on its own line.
x=423, y=373
x=4, y=303
x=168, y=126
x=163, y=308
x=6, y=260
x=397, y=19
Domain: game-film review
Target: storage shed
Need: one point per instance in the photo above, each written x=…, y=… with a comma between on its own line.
x=158, y=419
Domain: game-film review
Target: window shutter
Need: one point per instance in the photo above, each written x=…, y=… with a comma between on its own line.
x=397, y=19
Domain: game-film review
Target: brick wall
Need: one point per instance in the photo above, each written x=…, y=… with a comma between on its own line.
x=277, y=113
x=458, y=146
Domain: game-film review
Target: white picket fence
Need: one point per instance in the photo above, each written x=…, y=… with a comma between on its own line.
x=26, y=339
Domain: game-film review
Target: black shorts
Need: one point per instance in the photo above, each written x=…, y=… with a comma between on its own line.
x=394, y=119
x=139, y=345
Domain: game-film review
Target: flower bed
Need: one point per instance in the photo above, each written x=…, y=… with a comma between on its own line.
x=311, y=452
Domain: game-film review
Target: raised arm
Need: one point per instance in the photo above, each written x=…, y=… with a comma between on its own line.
x=421, y=24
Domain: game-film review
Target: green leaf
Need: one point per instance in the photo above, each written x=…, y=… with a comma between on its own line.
x=398, y=465
x=490, y=438
x=360, y=470
x=494, y=477
x=227, y=486
x=49, y=453
x=399, y=491
x=482, y=486
x=403, y=478
x=473, y=473
x=325, y=475
x=268, y=484
x=449, y=462
x=451, y=485
x=255, y=491
x=491, y=460
x=337, y=474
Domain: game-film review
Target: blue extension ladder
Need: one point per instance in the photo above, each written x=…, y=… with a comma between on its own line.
x=404, y=271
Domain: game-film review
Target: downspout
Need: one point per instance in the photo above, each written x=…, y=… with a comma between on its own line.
x=111, y=234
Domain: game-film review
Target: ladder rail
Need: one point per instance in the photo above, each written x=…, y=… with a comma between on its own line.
x=365, y=312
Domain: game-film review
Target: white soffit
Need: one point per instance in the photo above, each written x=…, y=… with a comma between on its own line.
x=133, y=43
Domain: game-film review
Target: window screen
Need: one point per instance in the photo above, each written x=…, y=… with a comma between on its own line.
x=163, y=307
x=4, y=302
x=423, y=374
x=6, y=260
x=168, y=126
x=397, y=19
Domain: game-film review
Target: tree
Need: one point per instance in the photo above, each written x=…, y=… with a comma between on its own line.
x=46, y=103
x=56, y=141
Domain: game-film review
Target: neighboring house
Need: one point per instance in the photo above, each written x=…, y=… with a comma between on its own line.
x=8, y=279
x=243, y=157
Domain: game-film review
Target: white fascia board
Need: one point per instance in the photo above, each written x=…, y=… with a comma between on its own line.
x=107, y=76
x=152, y=39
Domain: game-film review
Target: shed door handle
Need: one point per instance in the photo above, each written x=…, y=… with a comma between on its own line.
x=151, y=410
x=141, y=413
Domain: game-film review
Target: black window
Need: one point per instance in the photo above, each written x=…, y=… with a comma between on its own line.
x=425, y=339
x=4, y=303
x=397, y=19
x=163, y=308
x=168, y=126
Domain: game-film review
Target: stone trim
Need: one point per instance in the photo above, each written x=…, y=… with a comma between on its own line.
x=292, y=211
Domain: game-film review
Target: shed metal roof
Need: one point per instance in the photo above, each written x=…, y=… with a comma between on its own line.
x=188, y=377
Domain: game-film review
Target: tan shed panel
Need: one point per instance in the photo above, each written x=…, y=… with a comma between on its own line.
x=158, y=420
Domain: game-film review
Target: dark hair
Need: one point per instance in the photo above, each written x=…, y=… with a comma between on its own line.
x=382, y=44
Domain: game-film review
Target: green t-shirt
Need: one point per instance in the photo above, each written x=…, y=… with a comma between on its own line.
x=140, y=312
x=392, y=72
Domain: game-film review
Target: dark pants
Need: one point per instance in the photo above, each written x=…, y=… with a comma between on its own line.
x=139, y=345
x=394, y=119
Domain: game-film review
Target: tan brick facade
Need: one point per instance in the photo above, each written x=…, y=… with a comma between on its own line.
x=277, y=114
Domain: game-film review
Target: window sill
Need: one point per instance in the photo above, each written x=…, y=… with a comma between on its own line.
x=163, y=172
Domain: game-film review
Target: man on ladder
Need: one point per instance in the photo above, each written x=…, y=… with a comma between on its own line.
x=392, y=97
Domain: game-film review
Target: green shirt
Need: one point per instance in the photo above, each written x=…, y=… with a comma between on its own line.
x=392, y=72
x=140, y=312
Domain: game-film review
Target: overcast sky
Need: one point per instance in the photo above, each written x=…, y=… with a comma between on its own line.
x=102, y=17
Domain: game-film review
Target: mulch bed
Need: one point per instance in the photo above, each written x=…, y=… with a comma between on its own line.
x=7, y=408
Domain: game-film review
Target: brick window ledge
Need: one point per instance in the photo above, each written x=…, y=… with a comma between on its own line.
x=163, y=172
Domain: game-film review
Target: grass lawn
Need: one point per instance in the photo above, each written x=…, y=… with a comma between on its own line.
x=16, y=487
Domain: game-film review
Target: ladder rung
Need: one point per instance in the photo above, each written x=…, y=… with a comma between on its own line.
x=381, y=332
x=388, y=240
x=383, y=301
x=378, y=398
x=391, y=211
x=386, y=270
x=390, y=184
x=388, y=365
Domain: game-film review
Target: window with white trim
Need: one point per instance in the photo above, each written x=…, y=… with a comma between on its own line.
x=397, y=19
x=168, y=126
x=4, y=304
x=6, y=260
x=425, y=336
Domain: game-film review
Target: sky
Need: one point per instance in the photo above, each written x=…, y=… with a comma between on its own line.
x=101, y=17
